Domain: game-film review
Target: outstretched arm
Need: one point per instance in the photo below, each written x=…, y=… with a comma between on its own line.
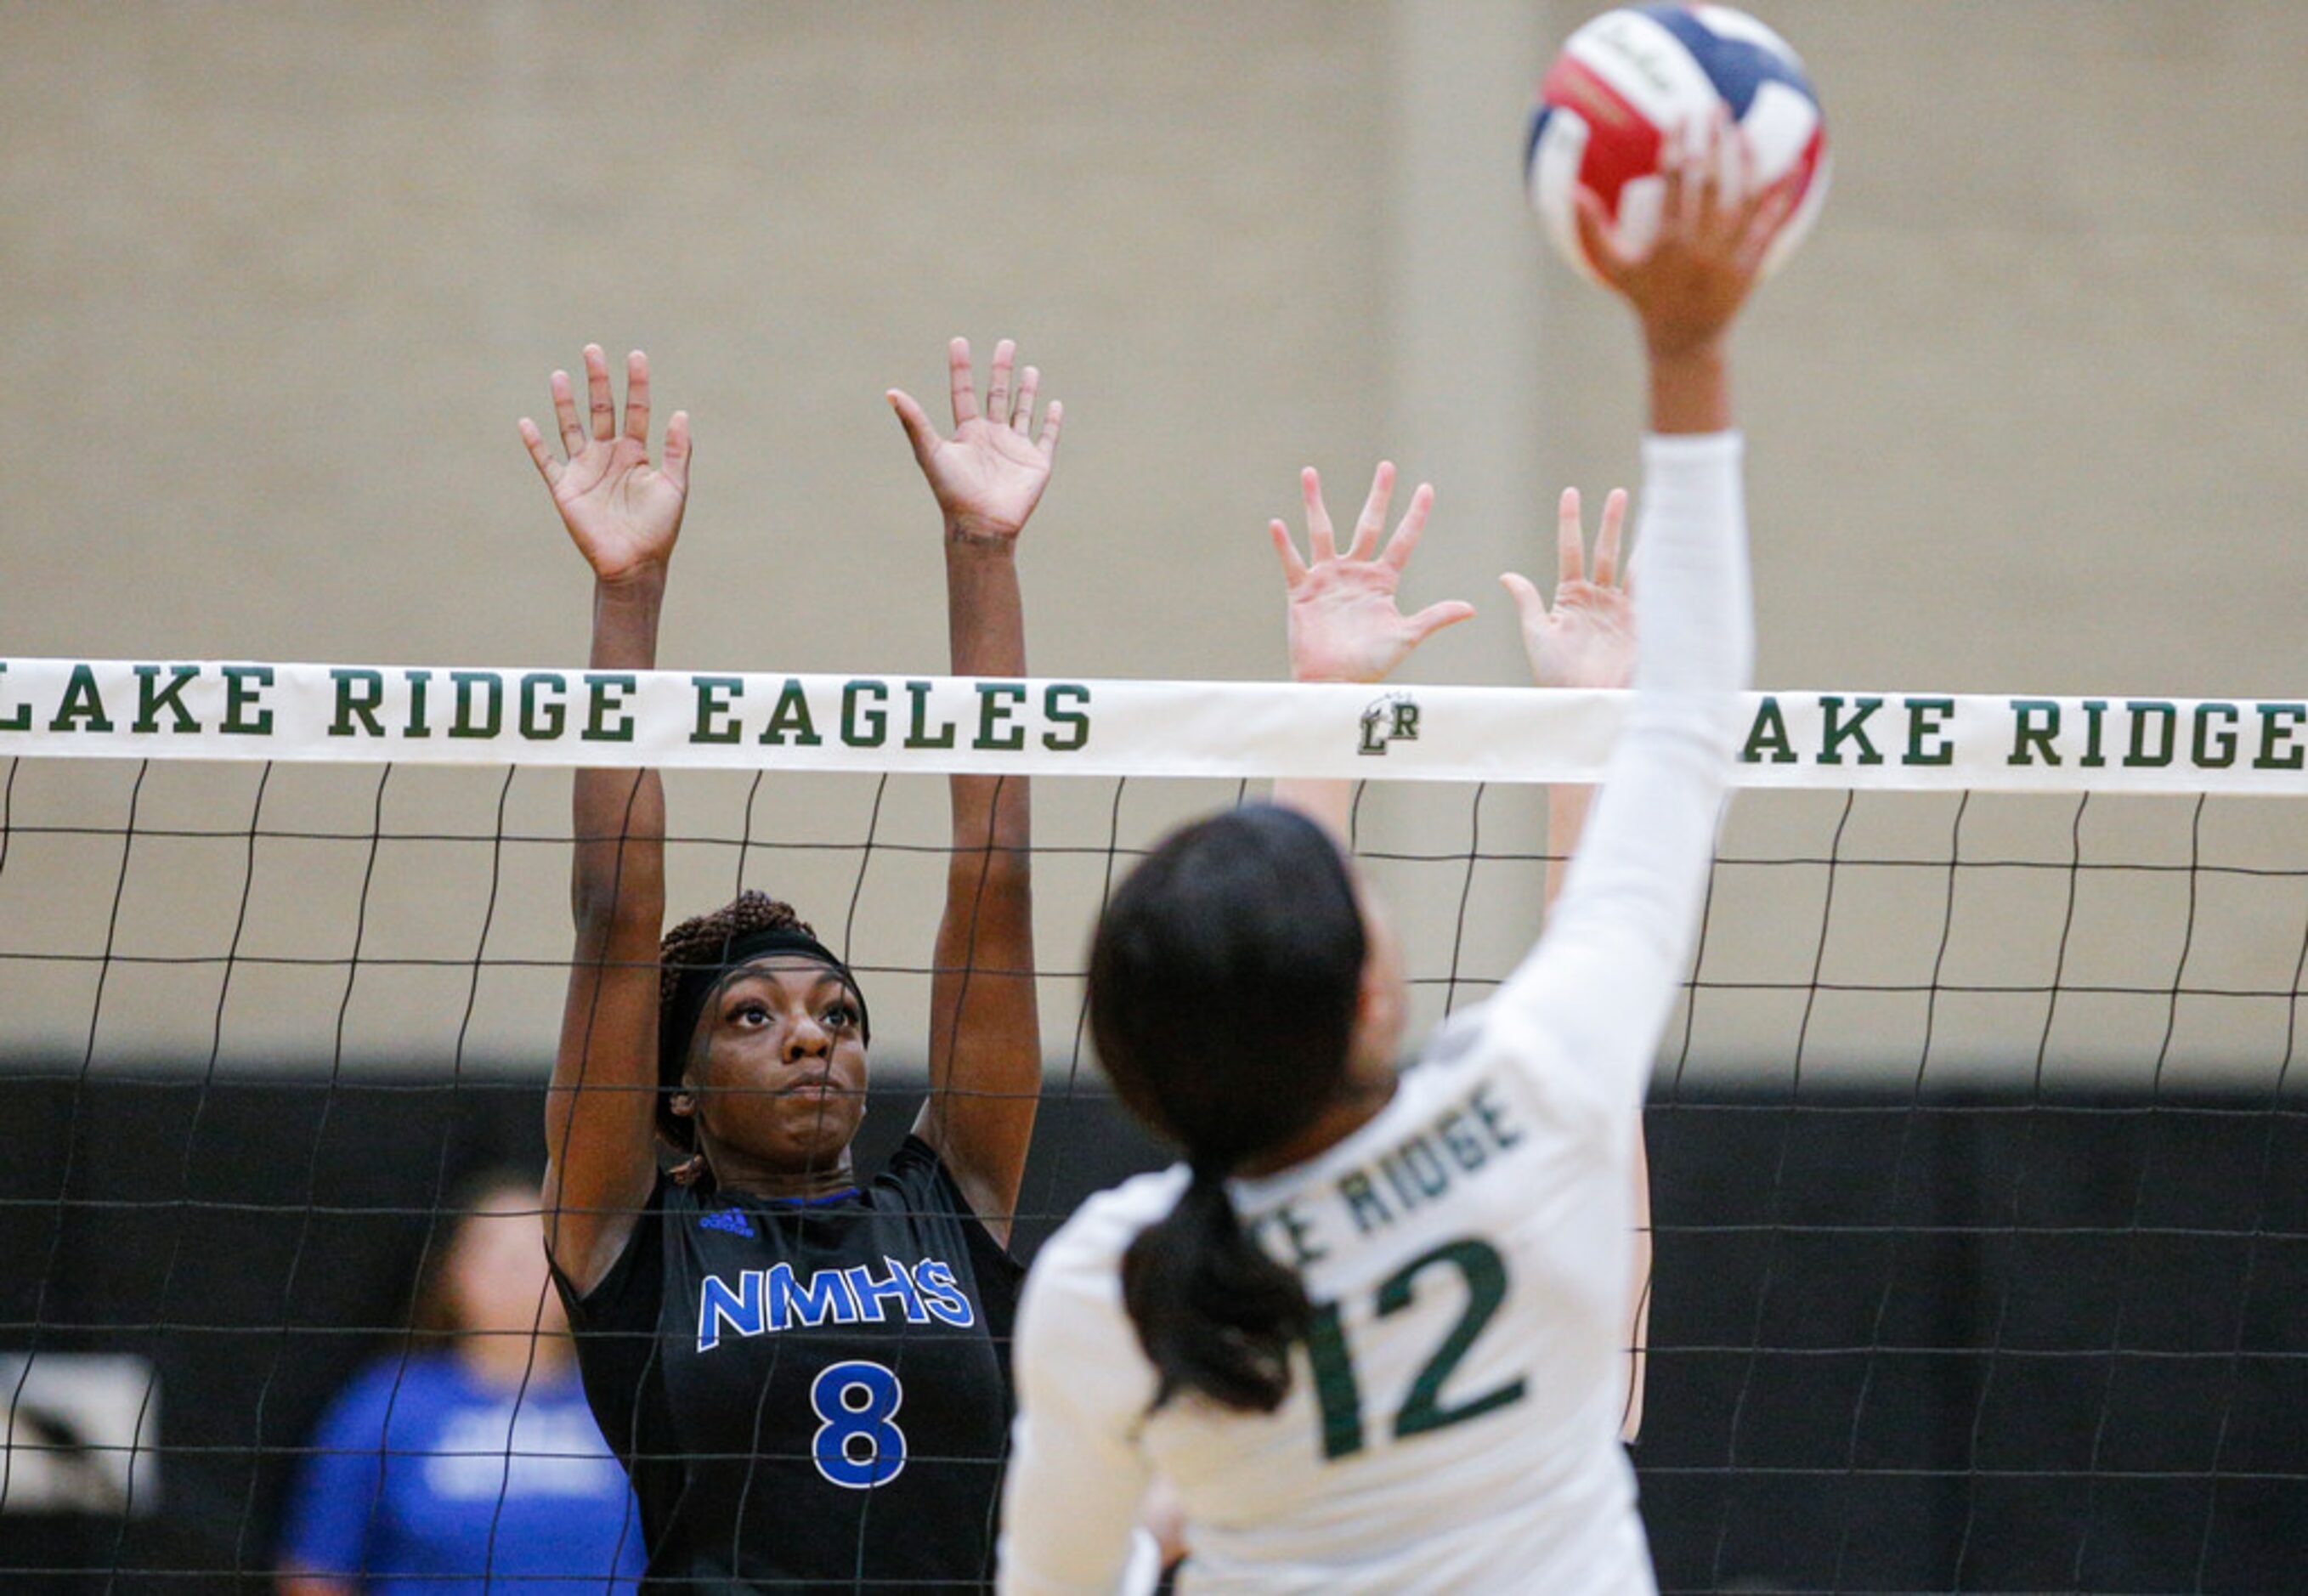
x=600, y=1110
x=985, y=1037
x=1686, y=291
x=1627, y=913
x=1344, y=625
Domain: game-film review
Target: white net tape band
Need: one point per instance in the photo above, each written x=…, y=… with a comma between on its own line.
x=704, y=720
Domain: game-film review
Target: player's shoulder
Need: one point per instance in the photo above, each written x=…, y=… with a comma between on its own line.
x=1457, y=1051
x=1103, y=1228
x=1525, y=1049
x=1077, y=1276
x=1461, y=1037
x=1072, y=1326
x=916, y=1180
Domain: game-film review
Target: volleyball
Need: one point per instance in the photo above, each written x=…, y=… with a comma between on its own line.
x=1628, y=79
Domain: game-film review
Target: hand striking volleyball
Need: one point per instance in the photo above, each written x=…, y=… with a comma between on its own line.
x=1628, y=81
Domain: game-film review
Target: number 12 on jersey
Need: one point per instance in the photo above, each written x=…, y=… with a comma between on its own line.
x=1339, y=1393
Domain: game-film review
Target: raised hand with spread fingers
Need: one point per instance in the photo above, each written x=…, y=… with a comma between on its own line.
x=621, y=512
x=1345, y=624
x=1587, y=637
x=990, y=474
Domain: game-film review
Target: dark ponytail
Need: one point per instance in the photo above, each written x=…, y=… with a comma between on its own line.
x=1223, y=985
x=1214, y=1312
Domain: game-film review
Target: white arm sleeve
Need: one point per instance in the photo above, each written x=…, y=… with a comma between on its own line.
x=1076, y=1476
x=1587, y=1004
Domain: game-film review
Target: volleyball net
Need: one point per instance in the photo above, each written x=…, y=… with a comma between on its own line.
x=1975, y=1142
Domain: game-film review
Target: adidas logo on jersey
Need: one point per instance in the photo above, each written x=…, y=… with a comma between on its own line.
x=732, y=1220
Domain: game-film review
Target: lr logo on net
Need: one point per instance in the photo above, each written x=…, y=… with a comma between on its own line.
x=1390, y=719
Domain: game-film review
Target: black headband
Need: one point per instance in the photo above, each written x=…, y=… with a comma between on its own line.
x=677, y=1014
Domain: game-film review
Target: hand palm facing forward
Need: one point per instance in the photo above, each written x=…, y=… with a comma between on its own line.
x=1586, y=638
x=1344, y=622
x=990, y=474
x=622, y=513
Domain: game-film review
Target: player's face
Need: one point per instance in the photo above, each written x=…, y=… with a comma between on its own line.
x=780, y=1076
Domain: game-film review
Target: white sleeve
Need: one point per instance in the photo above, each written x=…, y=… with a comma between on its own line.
x=1076, y=1476
x=1588, y=1005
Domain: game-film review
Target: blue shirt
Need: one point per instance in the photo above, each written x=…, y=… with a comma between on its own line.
x=424, y=1480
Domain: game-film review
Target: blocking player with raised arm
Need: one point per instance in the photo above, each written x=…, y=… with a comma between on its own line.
x=800, y=1366
x=1370, y=1329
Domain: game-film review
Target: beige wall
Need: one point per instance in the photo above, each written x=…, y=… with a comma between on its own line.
x=278, y=279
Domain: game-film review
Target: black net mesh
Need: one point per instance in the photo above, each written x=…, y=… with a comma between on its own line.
x=1981, y=1256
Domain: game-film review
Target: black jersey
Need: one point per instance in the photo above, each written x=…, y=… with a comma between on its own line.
x=810, y=1396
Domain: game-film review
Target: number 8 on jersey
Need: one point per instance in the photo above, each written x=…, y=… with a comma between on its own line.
x=857, y=1447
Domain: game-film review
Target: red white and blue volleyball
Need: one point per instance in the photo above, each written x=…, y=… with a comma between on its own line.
x=1631, y=77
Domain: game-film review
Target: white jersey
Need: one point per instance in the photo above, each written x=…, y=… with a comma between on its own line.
x=1453, y=1416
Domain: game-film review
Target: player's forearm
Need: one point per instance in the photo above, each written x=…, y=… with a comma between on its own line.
x=618, y=871
x=625, y=615
x=985, y=633
x=986, y=1063
x=1328, y=803
x=1698, y=628
x=1566, y=820
x=988, y=919
x=1690, y=390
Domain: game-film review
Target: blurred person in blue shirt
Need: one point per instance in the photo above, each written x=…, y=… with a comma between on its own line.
x=468, y=1461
